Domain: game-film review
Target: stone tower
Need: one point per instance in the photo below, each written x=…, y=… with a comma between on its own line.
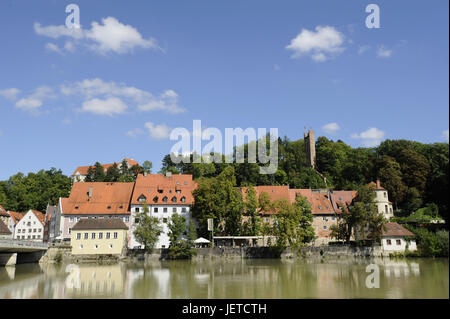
x=310, y=147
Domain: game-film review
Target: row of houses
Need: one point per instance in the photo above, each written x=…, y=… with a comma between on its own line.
x=164, y=195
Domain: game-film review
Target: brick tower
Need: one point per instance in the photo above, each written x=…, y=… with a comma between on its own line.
x=310, y=147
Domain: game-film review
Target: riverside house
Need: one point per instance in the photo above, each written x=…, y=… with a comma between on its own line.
x=30, y=227
x=396, y=238
x=95, y=200
x=99, y=237
x=164, y=195
x=81, y=172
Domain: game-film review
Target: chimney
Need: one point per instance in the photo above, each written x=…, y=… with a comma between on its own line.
x=90, y=192
x=145, y=173
x=378, y=184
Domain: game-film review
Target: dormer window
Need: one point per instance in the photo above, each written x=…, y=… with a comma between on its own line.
x=178, y=191
x=174, y=199
x=155, y=199
x=178, y=183
x=183, y=199
x=142, y=198
x=165, y=199
x=121, y=207
x=185, y=183
x=160, y=191
x=109, y=207
x=76, y=207
x=320, y=207
x=170, y=191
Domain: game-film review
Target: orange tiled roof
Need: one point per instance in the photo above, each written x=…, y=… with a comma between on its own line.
x=342, y=197
x=321, y=204
x=16, y=217
x=39, y=215
x=155, y=187
x=83, y=170
x=107, y=198
x=377, y=185
x=395, y=229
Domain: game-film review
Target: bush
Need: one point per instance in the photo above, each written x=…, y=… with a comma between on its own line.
x=431, y=244
x=442, y=238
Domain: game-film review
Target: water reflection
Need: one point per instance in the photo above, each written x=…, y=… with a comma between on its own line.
x=418, y=278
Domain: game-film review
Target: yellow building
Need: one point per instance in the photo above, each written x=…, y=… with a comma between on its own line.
x=106, y=236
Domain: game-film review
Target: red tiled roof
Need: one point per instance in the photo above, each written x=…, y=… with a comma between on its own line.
x=321, y=204
x=83, y=170
x=107, y=198
x=16, y=217
x=342, y=197
x=155, y=187
x=377, y=185
x=395, y=229
x=108, y=223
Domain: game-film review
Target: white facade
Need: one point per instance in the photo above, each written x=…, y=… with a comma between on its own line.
x=164, y=214
x=383, y=204
x=397, y=244
x=29, y=228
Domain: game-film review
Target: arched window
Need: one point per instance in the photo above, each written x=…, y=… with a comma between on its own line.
x=155, y=199
x=165, y=199
x=183, y=199
x=174, y=199
x=142, y=198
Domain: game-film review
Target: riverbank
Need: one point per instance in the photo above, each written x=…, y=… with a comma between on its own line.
x=62, y=253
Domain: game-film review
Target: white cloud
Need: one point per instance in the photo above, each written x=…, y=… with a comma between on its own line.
x=10, y=94
x=144, y=100
x=134, y=132
x=109, y=106
x=383, y=52
x=370, y=138
x=108, y=36
x=322, y=44
x=363, y=48
x=52, y=47
x=160, y=131
x=36, y=99
x=331, y=128
x=445, y=135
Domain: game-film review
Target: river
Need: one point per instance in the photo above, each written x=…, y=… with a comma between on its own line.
x=246, y=278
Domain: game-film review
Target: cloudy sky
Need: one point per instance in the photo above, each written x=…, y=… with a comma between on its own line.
x=134, y=70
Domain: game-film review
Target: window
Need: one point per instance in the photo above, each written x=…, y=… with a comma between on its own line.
x=34, y=230
x=115, y=235
x=38, y=236
x=137, y=209
x=86, y=235
x=70, y=231
x=178, y=191
x=127, y=218
x=388, y=242
x=320, y=207
x=95, y=246
x=100, y=235
x=108, y=235
x=170, y=191
x=174, y=199
x=81, y=246
x=324, y=218
x=399, y=242
x=183, y=199
x=160, y=191
x=71, y=219
x=155, y=199
x=34, y=237
x=183, y=209
x=110, y=246
x=185, y=183
x=164, y=220
x=174, y=210
x=163, y=246
x=109, y=207
x=155, y=210
x=386, y=208
x=93, y=236
x=165, y=210
x=165, y=199
x=332, y=217
x=385, y=194
x=78, y=235
x=324, y=227
x=267, y=220
x=142, y=198
x=390, y=209
x=29, y=230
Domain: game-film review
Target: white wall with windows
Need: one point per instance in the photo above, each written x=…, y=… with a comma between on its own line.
x=29, y=228
x=164, y=214
x=398, y=244
x=382, y=202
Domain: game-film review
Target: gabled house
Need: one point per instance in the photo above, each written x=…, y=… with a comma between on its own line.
x=164, y=196
x=396, y=238
x=31, y=226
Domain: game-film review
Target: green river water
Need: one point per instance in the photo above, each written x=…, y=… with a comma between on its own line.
x=262, y=278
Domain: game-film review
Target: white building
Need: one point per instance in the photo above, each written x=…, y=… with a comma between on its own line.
x=30, y=227
x=396, y=238
x=382, y=201
x=164, y=195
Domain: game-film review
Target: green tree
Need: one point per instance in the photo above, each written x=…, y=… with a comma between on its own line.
x=112, y=173
x=182, y=238
x=99, y=173
x=390, y=175
x=292, y=225
x=147, y=167
x=147, y=229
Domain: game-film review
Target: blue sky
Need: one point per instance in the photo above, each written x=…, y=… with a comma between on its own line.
x=117, y=88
